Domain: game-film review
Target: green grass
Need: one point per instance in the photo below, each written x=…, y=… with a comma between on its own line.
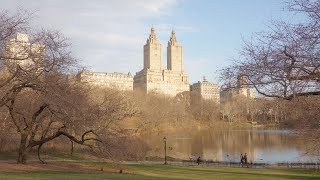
x=37, y=175
x=146, y=171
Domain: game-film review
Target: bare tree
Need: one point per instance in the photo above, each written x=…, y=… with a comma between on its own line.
x=43, y=115
x=110, y=108
x=155, y=111
x=37, y=94
x=202, y=110
x=284, y=63
x=305, y=118
x=235, y=109
x=43, y=101
x=9, y=26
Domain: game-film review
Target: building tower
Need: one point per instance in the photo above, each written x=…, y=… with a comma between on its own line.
x=20, y=51
x=174, y=54
x=207, y=90
x=243, y=86
x=153, y=77
x=152, y=52
x=242, y=81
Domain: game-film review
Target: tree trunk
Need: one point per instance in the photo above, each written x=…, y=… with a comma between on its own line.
x=23, y=151
x=39, y=154
x=72, y=147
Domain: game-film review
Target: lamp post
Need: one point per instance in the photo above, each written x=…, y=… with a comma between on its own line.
x=165, y=150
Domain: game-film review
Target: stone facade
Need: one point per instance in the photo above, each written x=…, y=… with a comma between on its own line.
x=207, y=90
x=153, y=78
x=20, y=51
x=174, y=54
x=116, y=80
x=242, y=90
x=152, y=53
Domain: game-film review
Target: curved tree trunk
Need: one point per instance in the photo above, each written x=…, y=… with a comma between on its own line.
x=39, y=154
x=23, y=150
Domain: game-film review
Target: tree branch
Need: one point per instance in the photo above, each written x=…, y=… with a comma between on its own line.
x=82, y=141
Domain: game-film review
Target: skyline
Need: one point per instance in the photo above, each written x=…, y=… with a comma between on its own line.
x=108, y=36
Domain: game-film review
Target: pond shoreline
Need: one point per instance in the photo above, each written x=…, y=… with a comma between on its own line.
x=267, y=145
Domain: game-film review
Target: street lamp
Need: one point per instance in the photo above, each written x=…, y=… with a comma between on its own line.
x=165, y=150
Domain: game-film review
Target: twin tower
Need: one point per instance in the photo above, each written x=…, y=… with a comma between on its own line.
x=153, y=53
x=153, y=78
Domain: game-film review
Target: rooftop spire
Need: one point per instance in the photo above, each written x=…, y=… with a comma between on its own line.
x=204, y=79
x=152, y=29
x=173, y=32
x=152, y=37
x=173, y=39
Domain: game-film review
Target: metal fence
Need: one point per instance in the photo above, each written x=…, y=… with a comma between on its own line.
x=307, y=165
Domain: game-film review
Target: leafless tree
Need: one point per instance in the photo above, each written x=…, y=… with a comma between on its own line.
x=110, y=112
x=110, y=108
x=305, y=117
x=155, y=111
x=42, y=102
x=43, y=115
x=235, y=109
x=202, y=110
x=284, y=63
x=158, y=112
x=9, y=26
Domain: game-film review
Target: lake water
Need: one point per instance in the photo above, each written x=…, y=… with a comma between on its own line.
x=268, y=146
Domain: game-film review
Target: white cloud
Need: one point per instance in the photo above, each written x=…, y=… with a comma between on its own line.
x=106, y=35
x=156, y=7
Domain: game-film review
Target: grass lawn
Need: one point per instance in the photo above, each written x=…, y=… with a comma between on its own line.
x=146, y=171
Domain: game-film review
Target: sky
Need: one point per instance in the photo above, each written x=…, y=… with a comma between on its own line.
x=108, y=35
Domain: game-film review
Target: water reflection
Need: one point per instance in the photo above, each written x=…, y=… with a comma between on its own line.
x=260, y=145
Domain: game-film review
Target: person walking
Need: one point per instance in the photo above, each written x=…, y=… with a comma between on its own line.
x=241, y=159
x=245, y=158
x=198, y=160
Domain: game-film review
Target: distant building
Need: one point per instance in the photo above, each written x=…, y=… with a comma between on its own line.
x=207, y=90
x=116, y=80
x=243, y=87
x=153, y=78
x=242, y=90
x=20, y=51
